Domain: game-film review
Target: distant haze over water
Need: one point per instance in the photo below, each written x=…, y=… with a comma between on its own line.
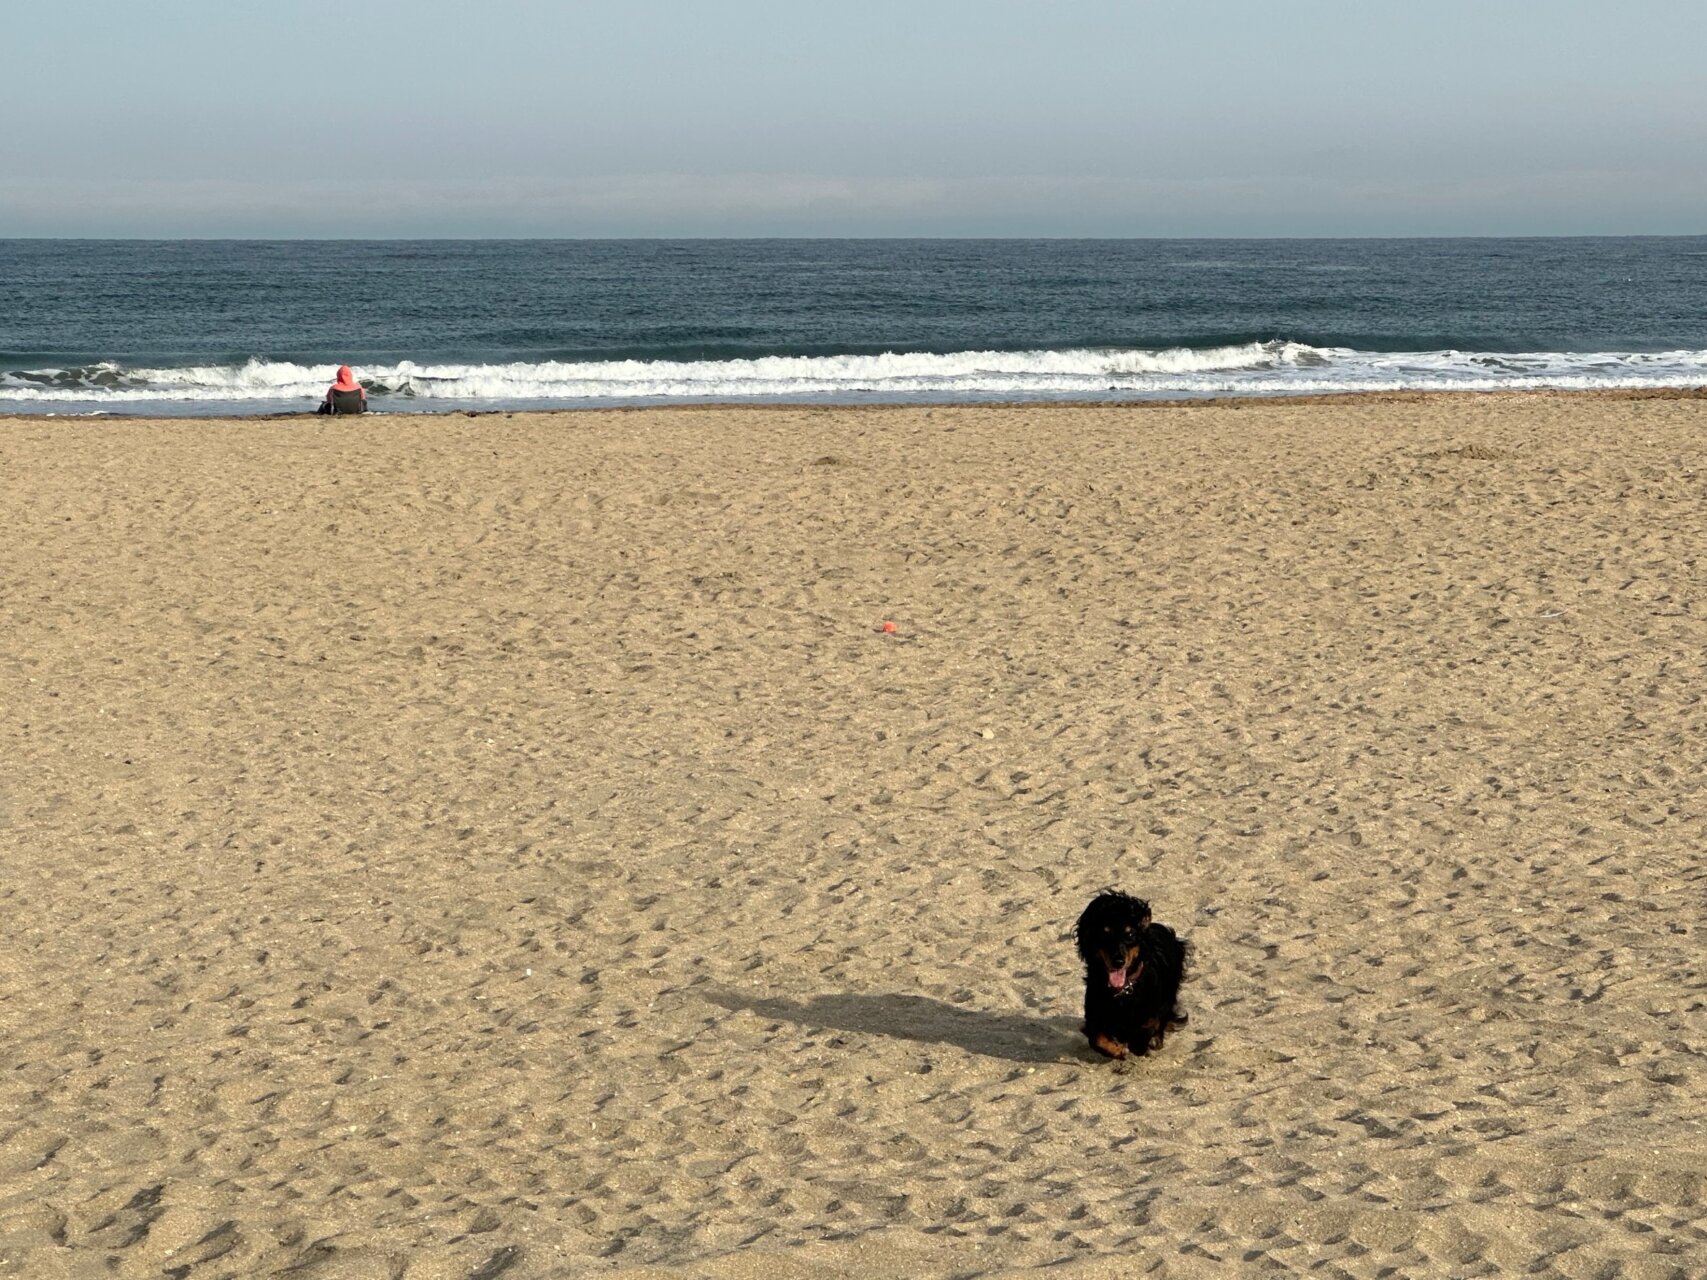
x=237, y=327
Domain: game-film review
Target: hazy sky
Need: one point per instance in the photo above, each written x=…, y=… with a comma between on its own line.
x=882, y=117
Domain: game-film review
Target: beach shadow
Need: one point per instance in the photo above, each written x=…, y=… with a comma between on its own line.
x=996, y=1035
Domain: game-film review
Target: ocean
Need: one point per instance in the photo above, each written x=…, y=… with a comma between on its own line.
x=251, y=327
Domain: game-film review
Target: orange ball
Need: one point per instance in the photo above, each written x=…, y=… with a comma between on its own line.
x=888, y=628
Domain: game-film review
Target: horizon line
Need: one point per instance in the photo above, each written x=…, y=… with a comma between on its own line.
x=676, y=239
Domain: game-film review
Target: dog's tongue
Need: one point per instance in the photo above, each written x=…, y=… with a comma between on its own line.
x=1117, y=978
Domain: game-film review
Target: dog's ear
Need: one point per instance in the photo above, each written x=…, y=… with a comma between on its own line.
x=1083, y=924
x=1094, y=918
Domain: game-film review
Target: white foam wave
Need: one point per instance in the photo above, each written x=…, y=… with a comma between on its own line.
x=1267, y=368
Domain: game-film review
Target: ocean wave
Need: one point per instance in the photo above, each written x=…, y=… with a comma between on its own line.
x=1254, y=368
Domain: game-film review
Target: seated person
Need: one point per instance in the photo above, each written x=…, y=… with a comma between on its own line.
x=345, y=395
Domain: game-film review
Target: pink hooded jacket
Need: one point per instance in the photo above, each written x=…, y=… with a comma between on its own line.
x=346, y=382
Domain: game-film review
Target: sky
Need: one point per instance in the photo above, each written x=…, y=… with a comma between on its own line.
x=439, y=118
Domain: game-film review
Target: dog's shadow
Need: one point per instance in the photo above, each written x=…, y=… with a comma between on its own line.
x=920, y=1018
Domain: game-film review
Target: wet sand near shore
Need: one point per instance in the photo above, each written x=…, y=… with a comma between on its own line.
x=510, y=845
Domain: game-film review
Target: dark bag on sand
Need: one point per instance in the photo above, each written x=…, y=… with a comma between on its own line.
x=344, y=402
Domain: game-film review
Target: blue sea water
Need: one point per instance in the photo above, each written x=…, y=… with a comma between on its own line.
x=231, y=327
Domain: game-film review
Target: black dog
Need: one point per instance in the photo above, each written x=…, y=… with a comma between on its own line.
x=1132, y=975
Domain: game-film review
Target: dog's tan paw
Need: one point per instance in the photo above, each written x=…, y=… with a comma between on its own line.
x=1107, y=1044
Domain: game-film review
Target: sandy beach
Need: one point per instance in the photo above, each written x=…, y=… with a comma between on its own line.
x=463, y=847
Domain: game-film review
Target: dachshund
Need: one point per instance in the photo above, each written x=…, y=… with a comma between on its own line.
x=1133, y=969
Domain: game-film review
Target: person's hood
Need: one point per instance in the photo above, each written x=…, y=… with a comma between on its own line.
x=346, y=380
